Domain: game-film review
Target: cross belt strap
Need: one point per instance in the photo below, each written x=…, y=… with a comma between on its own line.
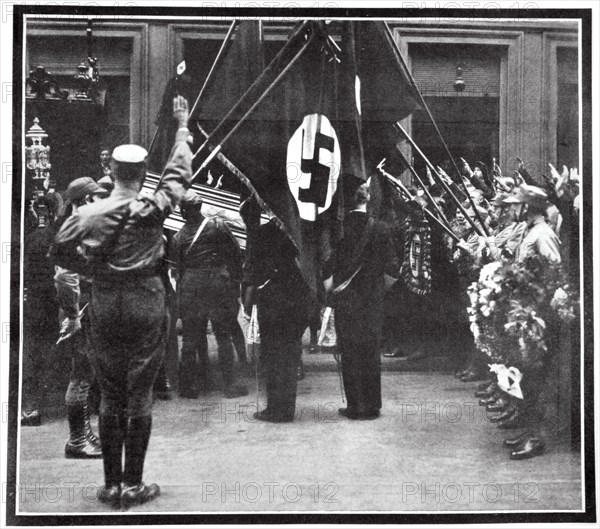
x=358, y=260
x=198, y=232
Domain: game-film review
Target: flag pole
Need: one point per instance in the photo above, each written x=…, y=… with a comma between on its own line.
x=250, y=110
x=260, y=79
x=215, y=65
x=206, y=81
x=414, y=173
x=175, y=83
x=246, y=181
x=433, y=122
x=441, y=181
x=404, y=191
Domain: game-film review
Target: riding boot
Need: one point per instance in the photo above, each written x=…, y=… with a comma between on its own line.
x=135, y=491
x=112, y=435
x=82, y=444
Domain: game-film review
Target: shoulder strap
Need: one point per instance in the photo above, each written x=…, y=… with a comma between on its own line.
x=358, y=259
x=198, y=232
x=112, y=242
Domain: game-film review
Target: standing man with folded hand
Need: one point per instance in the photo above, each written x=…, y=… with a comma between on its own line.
x=120, y=241
x=364, y=263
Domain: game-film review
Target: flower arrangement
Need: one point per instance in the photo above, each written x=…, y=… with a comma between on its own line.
x=512, y=306
x=564, y=303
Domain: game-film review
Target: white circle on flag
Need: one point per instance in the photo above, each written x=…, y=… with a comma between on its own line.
x=313, y=165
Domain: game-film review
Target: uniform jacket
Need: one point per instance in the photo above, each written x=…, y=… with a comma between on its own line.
x=136, y=221
x=215, y=247
x=540, y=239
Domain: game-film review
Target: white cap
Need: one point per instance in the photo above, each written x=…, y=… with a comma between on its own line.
x=129, y=153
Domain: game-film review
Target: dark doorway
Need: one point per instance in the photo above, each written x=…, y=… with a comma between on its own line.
x=567, y=125
x=469, y=125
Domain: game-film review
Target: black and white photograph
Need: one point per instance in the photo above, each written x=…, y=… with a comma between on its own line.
x=307, y=263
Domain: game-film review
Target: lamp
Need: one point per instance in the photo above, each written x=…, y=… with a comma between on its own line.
x=83, y=81
x=459, y=83
x=87, y=75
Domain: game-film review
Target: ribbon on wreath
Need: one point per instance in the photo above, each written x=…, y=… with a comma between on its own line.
x=509, y=379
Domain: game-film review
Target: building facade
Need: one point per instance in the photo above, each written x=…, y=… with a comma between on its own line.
x=498, y=89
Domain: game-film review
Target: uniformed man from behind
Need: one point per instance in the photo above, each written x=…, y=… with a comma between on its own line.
x=208, y=262
x=121, y=244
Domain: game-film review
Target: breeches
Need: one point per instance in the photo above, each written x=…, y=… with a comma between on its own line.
x=208, y=294
x=128, y=332
x=82, y=373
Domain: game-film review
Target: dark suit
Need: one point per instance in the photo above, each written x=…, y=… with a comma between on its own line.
x=284, y=306
x=359, y=309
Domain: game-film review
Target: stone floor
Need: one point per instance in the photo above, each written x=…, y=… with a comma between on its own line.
x=432, y=449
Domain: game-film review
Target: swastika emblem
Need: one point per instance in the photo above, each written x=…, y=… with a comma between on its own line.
x=313, y=164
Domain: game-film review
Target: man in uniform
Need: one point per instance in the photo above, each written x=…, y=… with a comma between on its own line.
x=208, y=261
x=362, y=258
x=120, y=241
x=531, y=203
x=73, y=294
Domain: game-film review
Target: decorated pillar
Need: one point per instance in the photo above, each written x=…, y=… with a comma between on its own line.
x=37, y=163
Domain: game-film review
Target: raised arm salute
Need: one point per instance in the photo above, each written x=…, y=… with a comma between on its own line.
x=121, y=247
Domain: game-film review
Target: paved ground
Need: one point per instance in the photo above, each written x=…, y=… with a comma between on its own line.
x=433, y=449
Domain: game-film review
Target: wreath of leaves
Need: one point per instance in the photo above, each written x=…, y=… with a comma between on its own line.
x=512, y=306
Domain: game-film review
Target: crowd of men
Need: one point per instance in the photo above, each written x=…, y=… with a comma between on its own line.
x=121, y=286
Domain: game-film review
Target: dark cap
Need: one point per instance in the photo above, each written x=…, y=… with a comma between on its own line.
x=80, y=188
x=350, y=185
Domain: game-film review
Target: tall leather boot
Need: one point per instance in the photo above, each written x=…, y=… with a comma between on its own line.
x=82, y=444
x=112, y=435
x=135, y=491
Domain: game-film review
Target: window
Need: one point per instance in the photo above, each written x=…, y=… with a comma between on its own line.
x=469, y=120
